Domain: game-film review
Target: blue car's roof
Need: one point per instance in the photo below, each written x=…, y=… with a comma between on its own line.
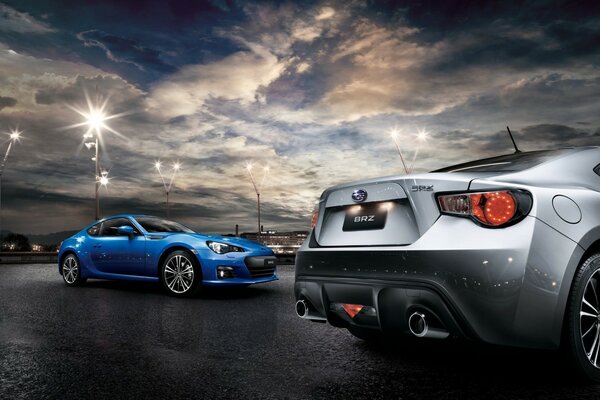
x=119, y=216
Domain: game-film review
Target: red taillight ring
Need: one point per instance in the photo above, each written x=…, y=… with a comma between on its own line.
x=495, y=209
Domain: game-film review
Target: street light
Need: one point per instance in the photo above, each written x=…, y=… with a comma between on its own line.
x=14, y=136
x=95, y=119
x=421, y=136
x=175, y=167
x=257, y=189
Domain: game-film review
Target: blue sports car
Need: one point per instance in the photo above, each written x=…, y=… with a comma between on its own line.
x=146, y=248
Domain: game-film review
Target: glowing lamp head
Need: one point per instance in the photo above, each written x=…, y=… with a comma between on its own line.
x=422, y=135
x=103, y=180
x=15, y=135
x=249, y=167
x=95, y=119
x=176, y=166
x=157, y=165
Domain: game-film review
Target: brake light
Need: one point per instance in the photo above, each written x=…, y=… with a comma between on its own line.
x=493, y=209
x=315, y=217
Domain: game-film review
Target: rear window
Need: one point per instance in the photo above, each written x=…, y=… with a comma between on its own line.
x=507, y=163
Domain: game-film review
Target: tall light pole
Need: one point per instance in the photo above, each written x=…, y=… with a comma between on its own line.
x=174, y=169
x=96, y=159
x=394, y=134
x=14, y=136
x=257, y=189
x=95, y=119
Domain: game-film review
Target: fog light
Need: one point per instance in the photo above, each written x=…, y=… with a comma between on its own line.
x=225, y=272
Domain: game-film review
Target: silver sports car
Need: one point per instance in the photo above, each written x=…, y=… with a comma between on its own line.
x=504, y=250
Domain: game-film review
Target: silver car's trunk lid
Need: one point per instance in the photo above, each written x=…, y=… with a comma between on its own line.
x=396, y=210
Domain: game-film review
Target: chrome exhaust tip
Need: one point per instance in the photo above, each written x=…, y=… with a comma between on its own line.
x=417, y=324
x=305, y=311
x=301, y=308
x=419, y=327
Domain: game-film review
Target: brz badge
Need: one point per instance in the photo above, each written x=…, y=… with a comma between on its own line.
x=421, y=188
x=359, y=195
x=364, y=218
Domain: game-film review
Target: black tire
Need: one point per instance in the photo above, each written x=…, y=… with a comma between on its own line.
x=71, y=271
x=582, y=336
x=180, y=274
x=366, y=334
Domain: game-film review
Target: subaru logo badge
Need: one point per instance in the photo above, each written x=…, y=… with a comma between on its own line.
x=359, y=195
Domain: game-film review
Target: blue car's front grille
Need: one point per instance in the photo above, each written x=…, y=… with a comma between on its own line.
x=261, y=267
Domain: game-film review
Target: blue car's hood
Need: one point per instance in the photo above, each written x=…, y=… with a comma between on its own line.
x=236, y=241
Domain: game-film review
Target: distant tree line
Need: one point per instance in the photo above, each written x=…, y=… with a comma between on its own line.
x=15, y=242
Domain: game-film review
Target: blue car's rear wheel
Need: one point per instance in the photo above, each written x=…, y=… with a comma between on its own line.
x=71, y=271
x=583, y=319
x=180, y=274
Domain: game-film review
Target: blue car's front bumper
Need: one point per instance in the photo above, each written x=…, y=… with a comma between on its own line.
x=247, y=268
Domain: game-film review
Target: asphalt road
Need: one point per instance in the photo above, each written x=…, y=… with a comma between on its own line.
x=129, y=340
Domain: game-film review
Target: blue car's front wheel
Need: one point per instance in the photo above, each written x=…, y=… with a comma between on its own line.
x=71, y=271
x=180, y=274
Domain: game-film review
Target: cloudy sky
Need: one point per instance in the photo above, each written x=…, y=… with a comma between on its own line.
x=311, y=89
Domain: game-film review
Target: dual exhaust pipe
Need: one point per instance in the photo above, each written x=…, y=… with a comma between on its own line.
x=418, y=323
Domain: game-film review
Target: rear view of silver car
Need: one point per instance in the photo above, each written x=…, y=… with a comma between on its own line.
x=504, y=250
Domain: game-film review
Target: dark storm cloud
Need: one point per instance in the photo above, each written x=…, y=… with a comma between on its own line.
x=539, y=137
x=123, y=50
x=7, y=102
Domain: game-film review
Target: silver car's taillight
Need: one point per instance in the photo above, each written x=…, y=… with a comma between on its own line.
x=494, y=209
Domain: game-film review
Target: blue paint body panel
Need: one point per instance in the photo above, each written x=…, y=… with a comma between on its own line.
x=138, y=258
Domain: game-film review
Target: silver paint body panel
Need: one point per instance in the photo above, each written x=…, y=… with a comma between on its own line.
x=508, y=286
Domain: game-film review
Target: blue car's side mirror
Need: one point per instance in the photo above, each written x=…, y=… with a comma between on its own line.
x=126, y=230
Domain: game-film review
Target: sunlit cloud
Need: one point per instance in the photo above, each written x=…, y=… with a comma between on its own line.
x=314, y=92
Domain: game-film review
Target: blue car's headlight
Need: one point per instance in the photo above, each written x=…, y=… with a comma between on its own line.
x=222, y=248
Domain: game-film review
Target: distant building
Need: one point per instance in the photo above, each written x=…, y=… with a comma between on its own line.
x=280, y=242
x=37, y=247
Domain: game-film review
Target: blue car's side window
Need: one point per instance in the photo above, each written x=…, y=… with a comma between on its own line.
x=94, y=230
x=110, y=227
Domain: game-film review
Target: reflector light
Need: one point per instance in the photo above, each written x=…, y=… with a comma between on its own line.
x=315, y=218
x=352, y=309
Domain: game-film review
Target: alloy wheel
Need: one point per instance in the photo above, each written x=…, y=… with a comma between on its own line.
x=589, y=319
x=70, y=270
x=179, y=274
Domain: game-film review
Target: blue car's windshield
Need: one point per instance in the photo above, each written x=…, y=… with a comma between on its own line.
x=154, y=224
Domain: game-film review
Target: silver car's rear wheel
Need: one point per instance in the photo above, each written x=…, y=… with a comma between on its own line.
x=589, y=319
x=180, y=274
x=582, y=319
x=71, y=271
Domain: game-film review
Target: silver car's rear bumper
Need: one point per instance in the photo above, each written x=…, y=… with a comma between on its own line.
x=504, y=286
